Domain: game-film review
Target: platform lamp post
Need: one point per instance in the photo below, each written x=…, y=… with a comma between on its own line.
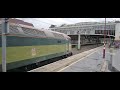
x=104, y=40
x=109, y=39
x=78, y=40
x=5, y=30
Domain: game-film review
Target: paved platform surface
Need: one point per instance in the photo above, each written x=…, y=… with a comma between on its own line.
x=95, y=62
x=88, y=61
x=58, y=65
x=116, y=59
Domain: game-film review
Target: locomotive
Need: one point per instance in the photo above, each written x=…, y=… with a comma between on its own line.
x=26, y=45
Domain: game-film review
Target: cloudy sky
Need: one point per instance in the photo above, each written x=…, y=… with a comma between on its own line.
x=46, y=22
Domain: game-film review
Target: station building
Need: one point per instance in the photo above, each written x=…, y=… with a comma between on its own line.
x=90, y=32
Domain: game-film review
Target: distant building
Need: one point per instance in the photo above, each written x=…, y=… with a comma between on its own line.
x=17, y=21
x=93, y=31
x=88, y=28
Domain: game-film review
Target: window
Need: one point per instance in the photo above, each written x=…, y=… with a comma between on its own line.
x=110, y=32
x=59, y=41
x=88, y=31
x=113, y=32
x=106, y=32
x=102, y=32
x=71, y=32
x=97, y=32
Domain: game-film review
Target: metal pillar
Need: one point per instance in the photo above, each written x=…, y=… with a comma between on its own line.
x=79, y=41
x=104, y=40
x=4, y=31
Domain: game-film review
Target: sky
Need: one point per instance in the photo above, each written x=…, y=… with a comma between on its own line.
x=46, y=22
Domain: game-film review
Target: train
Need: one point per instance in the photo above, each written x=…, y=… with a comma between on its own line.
x=26, y=45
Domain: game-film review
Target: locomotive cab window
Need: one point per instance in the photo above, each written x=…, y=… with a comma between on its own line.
x=59, y=41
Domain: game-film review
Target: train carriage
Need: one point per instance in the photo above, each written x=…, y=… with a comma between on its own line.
x=27, y=45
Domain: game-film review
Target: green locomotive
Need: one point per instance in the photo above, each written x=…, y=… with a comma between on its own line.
x=27, y=45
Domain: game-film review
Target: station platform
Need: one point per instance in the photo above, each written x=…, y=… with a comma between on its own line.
x=87, y=61
x=58, y=65
x=116, y=60
x=95, y=62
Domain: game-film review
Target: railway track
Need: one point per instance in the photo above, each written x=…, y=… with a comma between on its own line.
x=85, y=48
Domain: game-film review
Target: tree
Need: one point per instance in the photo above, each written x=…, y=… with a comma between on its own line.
x=117, y=21
x=52, y=26
x=62, y=25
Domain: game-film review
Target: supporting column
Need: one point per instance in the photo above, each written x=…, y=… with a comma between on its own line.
x=104, y=40
x=97, y=41
x=4, y=32
x=79, y=45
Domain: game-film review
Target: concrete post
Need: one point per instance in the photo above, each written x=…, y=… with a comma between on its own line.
x=4, y=31
x=79, y=45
